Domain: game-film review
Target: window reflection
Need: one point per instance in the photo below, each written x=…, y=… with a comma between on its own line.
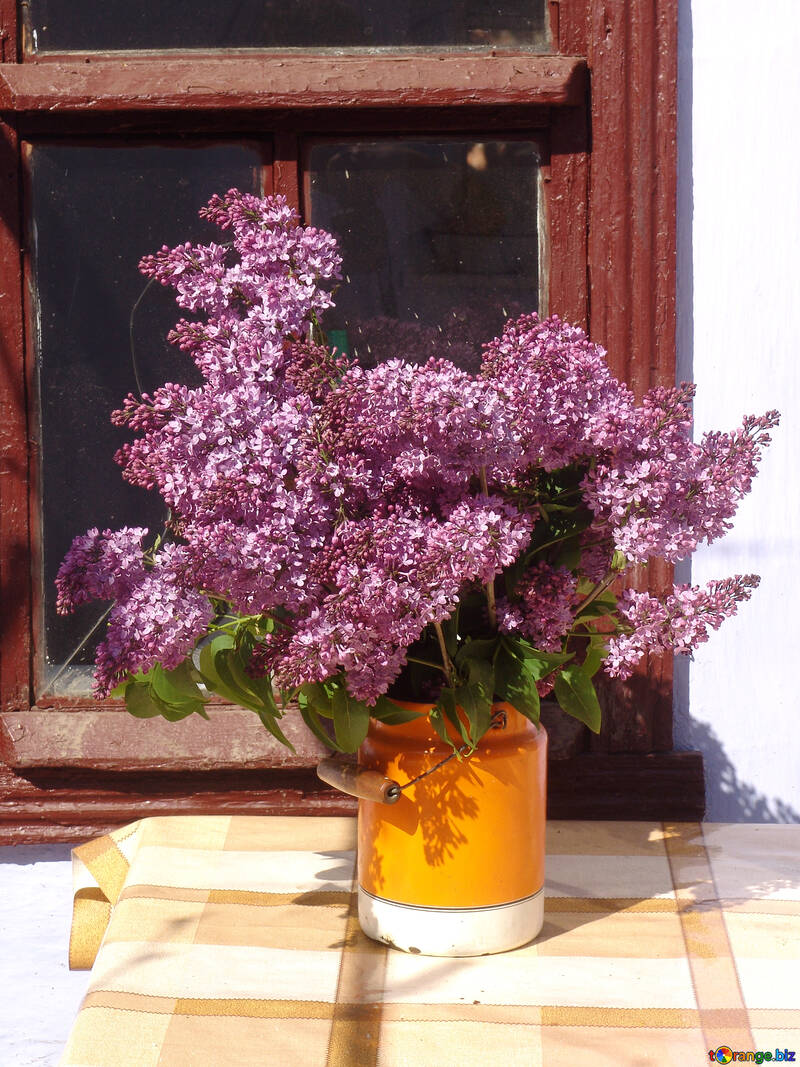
x=439, y=239
x=96, y=211
x=66, y=25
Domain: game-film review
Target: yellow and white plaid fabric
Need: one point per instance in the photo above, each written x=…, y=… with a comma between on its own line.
x=227, y=941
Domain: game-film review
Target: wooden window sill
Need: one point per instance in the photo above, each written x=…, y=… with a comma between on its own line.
x=109, y=739
x=71, y=804
x=275, y=81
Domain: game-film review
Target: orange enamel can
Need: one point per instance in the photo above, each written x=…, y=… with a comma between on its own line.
x=456, y=866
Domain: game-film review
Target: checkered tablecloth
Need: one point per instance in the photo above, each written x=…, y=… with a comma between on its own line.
x=231, y=940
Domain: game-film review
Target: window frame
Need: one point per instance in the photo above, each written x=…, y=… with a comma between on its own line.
x=606, y=92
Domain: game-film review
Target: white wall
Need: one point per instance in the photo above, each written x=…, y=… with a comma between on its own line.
x=739, y=339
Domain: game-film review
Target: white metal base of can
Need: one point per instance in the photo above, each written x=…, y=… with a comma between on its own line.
x=451, y=931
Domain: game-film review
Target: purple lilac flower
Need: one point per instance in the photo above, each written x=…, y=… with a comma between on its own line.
x=563, y=400
x=679, y=623
x=419, y=430
x=543, y=607
x=100, y=566
x=388, y=580
x=157, y=620
x=359, y=504
x=657, y=493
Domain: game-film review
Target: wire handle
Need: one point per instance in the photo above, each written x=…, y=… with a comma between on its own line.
x=371, y=785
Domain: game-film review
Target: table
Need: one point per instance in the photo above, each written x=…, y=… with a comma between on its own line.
x=233, y=940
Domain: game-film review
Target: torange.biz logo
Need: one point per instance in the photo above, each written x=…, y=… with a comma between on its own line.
x=727, y=1055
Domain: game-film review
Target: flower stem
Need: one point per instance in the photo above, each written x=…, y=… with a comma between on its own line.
x=426, y=663
x=447, y=665
x=489, y=587
x=598, y=589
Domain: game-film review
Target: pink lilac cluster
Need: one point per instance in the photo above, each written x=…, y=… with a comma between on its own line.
x=679, y=623
x=563, y=401
x=659, y=494
x=156, y=614
x=543, y=608
x=389, y=576
x=412, y=433
x=356, y=506
x=159, y=620
x=101, y=566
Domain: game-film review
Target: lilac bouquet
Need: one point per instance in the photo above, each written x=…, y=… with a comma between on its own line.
x=343, y=537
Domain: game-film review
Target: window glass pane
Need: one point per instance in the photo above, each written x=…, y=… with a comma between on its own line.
x=95, y=212
x=65, y=25
x=440, y=241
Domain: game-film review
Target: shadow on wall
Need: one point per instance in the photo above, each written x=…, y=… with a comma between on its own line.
x=728, y=798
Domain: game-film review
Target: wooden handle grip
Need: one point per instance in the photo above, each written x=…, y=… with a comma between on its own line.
x=358, y=781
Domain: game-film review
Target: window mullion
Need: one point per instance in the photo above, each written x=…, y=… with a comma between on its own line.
x=286, y=177
x=15, y=581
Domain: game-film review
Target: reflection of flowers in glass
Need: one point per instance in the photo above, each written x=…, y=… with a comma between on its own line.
x=345, y=514
x=458, y=338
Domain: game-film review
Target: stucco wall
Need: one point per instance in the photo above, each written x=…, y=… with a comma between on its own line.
x=739, y=338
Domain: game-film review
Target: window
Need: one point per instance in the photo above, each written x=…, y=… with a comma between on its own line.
x=455, y=149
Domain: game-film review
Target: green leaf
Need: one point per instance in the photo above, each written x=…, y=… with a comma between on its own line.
x=477, y=695
x=576, y=695
x=477, y=706
x=208, y=669
x=450, y=632
x=392, y=714
x=217, y=677
x=318, y=697
x=312, y=721
x=516, y=685
x=231, y=680
x=233, y=677
x=479, y=671
x=139, y=702
x=605, y=604
x=224, y=673
x=221, y=640
x=350, y=719
x=436, y=717
x=448, y=700
x=595, y=655
x=259, y=690
x=151, y=694
x=174, y=712
x=536, y=664
x=270, y=721
x=607, y=600
x=477, y=649
x=570, y=554
x=176, y=686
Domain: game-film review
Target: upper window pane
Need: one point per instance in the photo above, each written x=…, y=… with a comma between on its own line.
x=86, y=25
x=439, y=240
x=95, y=212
